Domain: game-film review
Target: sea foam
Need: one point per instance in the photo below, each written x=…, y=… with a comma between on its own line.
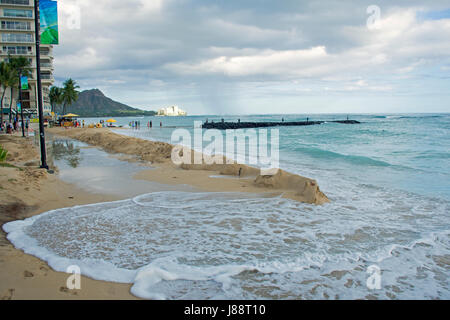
x=182, y=245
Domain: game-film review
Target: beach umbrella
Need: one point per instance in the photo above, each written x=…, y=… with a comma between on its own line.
x=111, y=120
x=70, y=115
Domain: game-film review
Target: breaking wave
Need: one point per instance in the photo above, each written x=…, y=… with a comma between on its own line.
x=181, y=245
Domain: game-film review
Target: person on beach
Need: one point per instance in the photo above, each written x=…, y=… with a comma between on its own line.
x=160, y=124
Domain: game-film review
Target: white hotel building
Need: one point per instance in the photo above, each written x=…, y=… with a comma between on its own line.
x=171, y=111
x=17, y=36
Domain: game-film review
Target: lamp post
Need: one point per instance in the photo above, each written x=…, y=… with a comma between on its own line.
x=39, y=86
x=20, y=102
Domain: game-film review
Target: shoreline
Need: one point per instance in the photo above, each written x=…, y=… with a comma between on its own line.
x=158, y=154
x=28, y=191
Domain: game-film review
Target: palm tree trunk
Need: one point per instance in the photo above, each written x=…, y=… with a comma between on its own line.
x=10, y=104
x=1, y=104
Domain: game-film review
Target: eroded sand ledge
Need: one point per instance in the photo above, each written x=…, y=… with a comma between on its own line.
x=289, y=185
x=25, y=191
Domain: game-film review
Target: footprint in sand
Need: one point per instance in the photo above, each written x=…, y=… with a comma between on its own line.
x=28, y=274
x=67, y=290
x=8, y=295
x=44, y=270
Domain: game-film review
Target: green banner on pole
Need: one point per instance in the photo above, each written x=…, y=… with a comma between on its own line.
x=19, y=107
x=48, y=14
x=24, y=82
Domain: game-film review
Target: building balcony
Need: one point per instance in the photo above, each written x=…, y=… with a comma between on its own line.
x=47, y=78
x=15, y=41
x=45, y=53
x=16, y=53
x=46, y=66
x=22, y=3
x=5, y=28
x=17, y=17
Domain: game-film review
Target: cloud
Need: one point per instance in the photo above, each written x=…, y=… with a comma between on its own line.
x=209, y=51
x=401, y=42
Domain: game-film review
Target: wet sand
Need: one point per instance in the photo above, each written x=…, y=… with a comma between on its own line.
x=27, y=190
x=158, y=154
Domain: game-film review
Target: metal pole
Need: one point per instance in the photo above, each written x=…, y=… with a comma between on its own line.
x=39, y=85
x=20, y=101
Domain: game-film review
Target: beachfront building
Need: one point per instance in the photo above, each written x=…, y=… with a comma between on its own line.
x=17, y=36
x=172, y=111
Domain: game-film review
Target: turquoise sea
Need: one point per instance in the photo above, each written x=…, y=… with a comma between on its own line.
x=388, y=180
x=404, y=152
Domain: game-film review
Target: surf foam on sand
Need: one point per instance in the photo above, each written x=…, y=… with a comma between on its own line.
x=181, y=245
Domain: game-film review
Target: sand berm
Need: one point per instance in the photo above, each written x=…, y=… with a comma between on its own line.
x=289, y=185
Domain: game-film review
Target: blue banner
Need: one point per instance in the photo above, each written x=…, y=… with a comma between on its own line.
x=48, y=14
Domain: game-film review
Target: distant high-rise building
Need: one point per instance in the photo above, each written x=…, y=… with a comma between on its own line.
x=171, y=111
x=17, y=36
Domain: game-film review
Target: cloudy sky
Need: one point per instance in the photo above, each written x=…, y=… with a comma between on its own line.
x=260, y=56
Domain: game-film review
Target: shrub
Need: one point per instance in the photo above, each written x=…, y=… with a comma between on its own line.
x=3, y=154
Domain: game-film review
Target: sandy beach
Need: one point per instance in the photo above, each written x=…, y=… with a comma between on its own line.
x=26, y=190
x=158, y=155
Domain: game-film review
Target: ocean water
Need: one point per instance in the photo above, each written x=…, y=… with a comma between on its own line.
x=388, y=181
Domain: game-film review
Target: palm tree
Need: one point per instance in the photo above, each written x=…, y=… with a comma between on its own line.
x=17, y=64
x=4, y=84
x=70, y=93
x=56, y=97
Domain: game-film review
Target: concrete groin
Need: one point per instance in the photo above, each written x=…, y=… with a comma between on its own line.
x=247, y=125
